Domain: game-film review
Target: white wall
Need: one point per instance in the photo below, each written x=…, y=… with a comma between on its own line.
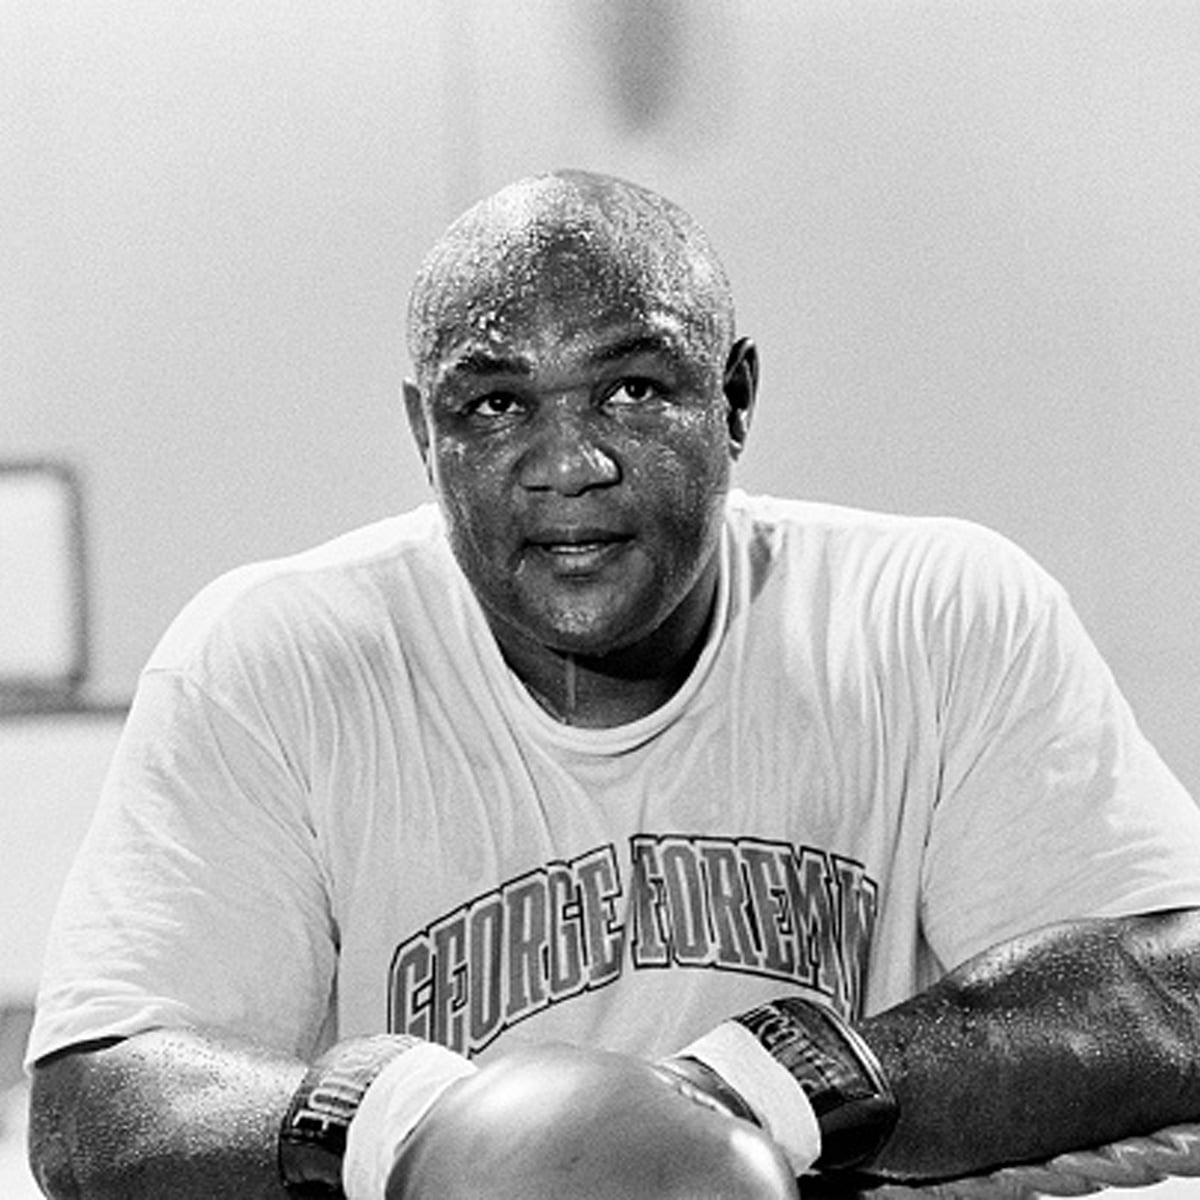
x=51, y=769
x=965, y=235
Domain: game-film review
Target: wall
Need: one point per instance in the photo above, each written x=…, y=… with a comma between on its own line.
x=964, y=234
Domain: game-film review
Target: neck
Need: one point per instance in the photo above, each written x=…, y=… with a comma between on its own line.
x=593, y=693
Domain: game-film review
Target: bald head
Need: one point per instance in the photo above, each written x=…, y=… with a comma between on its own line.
x=521, y=254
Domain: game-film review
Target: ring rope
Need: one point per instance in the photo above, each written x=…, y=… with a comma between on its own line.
x=1131, y=1162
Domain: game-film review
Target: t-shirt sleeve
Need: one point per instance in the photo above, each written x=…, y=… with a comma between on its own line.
x=1053, y=805
x=198, y=898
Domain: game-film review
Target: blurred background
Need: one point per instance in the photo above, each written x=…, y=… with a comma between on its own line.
x=965, y=234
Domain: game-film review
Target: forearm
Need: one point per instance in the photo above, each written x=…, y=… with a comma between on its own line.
x=165, y=1113
x=1075, y=1036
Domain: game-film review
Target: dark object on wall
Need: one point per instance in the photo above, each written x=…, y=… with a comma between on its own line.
x=642, y=47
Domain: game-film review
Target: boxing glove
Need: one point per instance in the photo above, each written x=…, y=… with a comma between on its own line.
x=802, y=1073
x=355, y=1105
x=556, y=1122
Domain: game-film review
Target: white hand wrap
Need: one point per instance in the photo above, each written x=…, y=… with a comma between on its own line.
x=776, y=1099
x=403, y=1092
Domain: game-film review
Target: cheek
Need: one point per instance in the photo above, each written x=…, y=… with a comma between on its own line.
x=464, y=479
x=447, y=460
x=685, y=475
x=473, y=497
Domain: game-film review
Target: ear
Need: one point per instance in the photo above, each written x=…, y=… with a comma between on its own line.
x=414, y=406
x=741, y=389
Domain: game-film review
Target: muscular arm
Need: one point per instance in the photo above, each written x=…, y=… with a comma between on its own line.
x=164, y=1113
x=177, y=1114
x=1073, y=1036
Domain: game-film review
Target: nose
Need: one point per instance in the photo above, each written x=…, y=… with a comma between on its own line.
x=567, y=457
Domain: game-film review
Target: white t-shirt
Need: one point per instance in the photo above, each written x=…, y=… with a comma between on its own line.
x=334, y=809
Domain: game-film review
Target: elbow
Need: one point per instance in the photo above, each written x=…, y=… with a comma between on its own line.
x=54, y=1176
x=70, y=1146
x=51, y=1159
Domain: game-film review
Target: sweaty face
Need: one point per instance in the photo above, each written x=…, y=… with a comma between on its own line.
x=576, y=434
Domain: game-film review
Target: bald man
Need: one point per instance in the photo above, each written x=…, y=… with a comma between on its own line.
x=603, y=831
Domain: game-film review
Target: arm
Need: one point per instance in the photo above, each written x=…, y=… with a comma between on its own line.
x=1051, y=803
x=190, y=1114
x=168, y=1112
x=1074, y=1036
x=181, y=1114
x=196, y=901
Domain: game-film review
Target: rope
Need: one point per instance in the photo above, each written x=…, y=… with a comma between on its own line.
x=1132, y=1162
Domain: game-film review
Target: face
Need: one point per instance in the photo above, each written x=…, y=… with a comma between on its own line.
x=580, y=442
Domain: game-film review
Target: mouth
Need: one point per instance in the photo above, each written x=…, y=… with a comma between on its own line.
x=577, y=552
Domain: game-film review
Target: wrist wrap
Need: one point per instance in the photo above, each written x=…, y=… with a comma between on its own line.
x=838, y=1072
x=312, y=1137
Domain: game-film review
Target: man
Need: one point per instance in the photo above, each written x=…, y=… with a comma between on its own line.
x=607, y=832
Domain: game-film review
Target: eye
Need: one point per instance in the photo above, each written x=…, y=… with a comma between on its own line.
x=636, y=390
x=494, y=406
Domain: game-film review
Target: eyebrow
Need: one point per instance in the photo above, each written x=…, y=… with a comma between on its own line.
x=479, y=362
x=483, y=364
x=635, y=344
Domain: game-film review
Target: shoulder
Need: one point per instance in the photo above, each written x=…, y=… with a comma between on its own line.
x=944, y=565
x=326, y=590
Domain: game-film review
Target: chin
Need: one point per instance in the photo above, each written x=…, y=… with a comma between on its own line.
x=587, y=635
x=622, y=649
x=584, y=644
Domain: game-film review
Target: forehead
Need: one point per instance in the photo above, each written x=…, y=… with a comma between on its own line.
x=566, y=295
x=567, y=322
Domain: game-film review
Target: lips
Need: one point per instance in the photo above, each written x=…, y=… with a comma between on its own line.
x=576, y=550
